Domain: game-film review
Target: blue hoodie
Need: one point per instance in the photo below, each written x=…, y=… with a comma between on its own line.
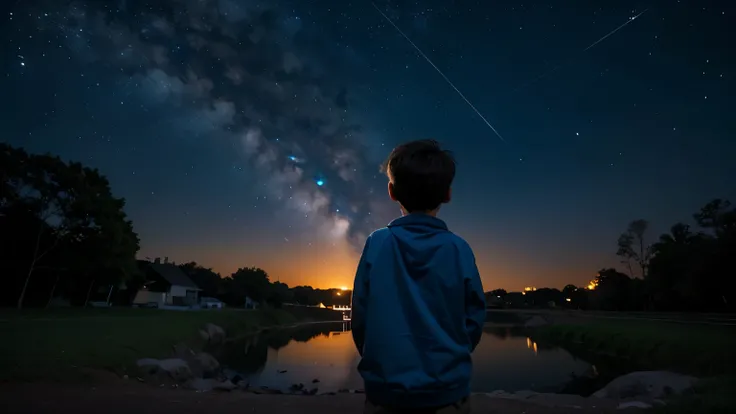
x=417, y=314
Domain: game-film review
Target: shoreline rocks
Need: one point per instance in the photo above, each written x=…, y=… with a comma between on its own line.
x=213, y=334
x=647, y=384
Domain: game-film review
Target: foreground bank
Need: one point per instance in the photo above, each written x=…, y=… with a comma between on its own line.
x=617, y=347
x=67, y=344
x=141, y=399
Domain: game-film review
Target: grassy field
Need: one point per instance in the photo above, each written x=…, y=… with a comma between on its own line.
x=618, y=347
x=59, y=344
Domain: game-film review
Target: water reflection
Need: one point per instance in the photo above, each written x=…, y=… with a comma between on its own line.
x=323, y=356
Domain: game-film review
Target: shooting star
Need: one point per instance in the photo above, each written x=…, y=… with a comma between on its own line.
x=615, y=30
x=439, y=71
x=549, y=72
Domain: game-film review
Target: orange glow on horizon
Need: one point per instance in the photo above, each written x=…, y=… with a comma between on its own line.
x=325, y=265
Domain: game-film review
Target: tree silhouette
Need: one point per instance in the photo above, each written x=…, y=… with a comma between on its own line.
x=67, y=208
x=632, y=247
x=248, y=281
x=205, y=278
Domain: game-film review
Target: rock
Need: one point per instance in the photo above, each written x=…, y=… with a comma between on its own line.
x=535, y=321
x=226, y=385
x=183, y=351
x=150, y=371
x=296, y=387
x=209, y=384
x=314, y=381
x=216, y=335
x=178, y=369
x=147, y=362
x=204, y=335
x=207, y=363
x=646, y=384
x=519, y=395
x=633, y=404
x=175, y=368
x=266, y=390
x=523, y=395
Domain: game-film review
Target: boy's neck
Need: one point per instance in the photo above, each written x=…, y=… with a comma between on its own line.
x=432, y=213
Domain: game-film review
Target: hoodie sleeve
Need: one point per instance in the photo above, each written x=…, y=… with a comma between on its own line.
x=360, y=300
x=475, y=302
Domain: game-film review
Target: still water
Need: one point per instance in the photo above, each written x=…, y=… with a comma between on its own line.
x=323, y=356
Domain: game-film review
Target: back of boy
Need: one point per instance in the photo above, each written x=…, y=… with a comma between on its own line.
x=418, y=304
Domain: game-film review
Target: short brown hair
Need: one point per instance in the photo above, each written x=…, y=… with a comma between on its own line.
x=421, y=173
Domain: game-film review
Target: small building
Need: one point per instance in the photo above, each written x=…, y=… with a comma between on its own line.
x=166, y=285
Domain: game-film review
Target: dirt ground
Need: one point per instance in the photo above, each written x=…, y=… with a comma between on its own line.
x=134, y=398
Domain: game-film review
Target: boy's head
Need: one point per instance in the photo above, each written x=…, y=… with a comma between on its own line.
x=420, y=175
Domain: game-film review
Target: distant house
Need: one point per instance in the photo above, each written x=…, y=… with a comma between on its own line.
x=166, y=285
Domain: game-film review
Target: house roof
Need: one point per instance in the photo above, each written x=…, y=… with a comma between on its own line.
x=173, y=275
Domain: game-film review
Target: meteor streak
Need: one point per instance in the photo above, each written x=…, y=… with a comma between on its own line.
x=614, y=30
x=545, y=74
x=449, y=82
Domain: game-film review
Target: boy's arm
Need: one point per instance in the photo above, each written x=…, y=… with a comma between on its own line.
x=475, y=301
x=360, y=301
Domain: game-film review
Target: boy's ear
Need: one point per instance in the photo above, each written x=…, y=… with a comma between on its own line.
x=449, y=195
x=391, y=191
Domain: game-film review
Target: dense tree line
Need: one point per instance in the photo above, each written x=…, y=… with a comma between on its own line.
x=62, y=232
x=256, y=284
x=686, y=269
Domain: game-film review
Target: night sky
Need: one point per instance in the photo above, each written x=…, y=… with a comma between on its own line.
x=249, y=133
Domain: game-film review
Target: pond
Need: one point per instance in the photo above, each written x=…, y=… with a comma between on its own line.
x=323, y=356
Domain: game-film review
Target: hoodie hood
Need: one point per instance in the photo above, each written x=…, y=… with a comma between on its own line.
x=417, y=246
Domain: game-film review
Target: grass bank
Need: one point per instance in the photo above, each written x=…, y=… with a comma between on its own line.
x=618, y=347
x=62, y=344
x=701, y=350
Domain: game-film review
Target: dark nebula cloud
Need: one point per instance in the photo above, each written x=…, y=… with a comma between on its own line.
x=236, y=69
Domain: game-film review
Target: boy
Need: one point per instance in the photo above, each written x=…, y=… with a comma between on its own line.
x=418, y=304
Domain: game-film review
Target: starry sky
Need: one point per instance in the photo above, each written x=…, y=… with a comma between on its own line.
x=249, y=133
